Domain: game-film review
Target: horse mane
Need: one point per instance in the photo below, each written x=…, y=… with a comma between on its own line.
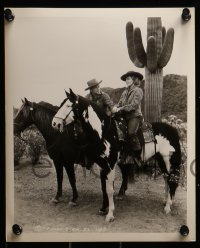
x=44, y=114
x=109, y=127
x=49, y=106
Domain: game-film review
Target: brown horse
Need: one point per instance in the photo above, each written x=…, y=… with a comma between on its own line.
x=63, y=148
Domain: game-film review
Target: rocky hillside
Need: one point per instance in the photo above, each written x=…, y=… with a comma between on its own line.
x=174, y=96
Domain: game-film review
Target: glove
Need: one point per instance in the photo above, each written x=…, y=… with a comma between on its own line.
x=115, y=109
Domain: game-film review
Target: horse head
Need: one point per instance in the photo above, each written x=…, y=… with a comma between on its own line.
x=78, y=108
x=24, y=116
x=70, y=110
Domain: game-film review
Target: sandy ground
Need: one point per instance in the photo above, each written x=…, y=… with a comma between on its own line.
x=140, y=211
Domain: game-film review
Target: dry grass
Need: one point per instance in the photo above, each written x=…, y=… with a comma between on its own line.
x=140, y=211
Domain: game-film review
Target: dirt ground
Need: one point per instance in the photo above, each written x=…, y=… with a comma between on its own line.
x=140, y=211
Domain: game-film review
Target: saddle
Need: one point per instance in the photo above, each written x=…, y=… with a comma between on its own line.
x=144, y=133
x=147, y=132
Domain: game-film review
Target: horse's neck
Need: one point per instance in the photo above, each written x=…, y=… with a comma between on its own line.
x=42, y=120
x=99, y=112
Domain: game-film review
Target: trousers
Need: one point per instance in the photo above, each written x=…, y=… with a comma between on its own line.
x=133, y=125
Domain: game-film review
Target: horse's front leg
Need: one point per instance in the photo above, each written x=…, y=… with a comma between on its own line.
x=107, y=179
x=104, y=209
x=124, y=184
x=59, y=175
x=72, y=179
x=110, y=193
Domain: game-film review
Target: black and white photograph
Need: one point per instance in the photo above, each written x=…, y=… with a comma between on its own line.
x=100, y=115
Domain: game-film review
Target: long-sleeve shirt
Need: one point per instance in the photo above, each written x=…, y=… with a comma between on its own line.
x=130, y=101
x=102, y=100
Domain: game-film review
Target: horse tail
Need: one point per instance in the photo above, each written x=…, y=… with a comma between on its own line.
x=174, y=175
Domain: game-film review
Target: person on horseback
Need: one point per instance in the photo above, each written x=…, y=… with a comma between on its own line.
x=102, y=99
x=98, y=96
x=129, y=106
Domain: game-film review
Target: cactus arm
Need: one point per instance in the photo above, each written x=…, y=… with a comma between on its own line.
x=130, y=45
x=151, y=54
x=139, y=48
x=167, y=49
x=163, y=34
x=157, y=55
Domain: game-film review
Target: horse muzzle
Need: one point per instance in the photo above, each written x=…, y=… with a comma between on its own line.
x=57, y=124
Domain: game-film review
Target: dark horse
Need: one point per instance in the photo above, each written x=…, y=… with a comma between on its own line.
x=68, y=148
x=99, y=147
x=166, y=148
x=63, y=148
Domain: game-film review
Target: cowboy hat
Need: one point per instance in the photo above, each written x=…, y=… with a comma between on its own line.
x=130, y=74
x=92, y=83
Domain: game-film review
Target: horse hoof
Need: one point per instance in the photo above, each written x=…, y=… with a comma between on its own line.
x=167, y=209
x=119, y=197
x=110, y=218
x=102, y=212
x=55, y=201
x=72, y=204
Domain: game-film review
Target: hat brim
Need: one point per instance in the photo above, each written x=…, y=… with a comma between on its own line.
x=90, y=87
x=135, y=74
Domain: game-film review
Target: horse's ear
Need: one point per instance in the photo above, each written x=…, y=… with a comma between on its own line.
x=26, y=102
x=22, y=100
x=67, y=94
x=73, y=94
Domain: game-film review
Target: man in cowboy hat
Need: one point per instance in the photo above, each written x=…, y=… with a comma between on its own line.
x=130, y=106
x=98, y=96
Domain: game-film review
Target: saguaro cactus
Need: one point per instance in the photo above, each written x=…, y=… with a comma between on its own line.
x=157, y=55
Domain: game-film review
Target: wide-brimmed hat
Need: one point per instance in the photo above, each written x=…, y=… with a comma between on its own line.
x=130, y=74
x=92, y=83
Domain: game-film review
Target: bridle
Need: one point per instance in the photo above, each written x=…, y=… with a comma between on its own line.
x=60, y=118
x=74, y=108
x=18, y=124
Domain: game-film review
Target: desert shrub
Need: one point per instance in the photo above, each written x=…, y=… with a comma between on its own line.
x=35, y=144
x=175, y=96
x=19, y=148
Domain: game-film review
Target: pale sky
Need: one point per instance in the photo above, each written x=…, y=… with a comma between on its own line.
x=49, y=50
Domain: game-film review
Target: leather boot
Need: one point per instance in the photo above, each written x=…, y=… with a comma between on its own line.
x=136, y=149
